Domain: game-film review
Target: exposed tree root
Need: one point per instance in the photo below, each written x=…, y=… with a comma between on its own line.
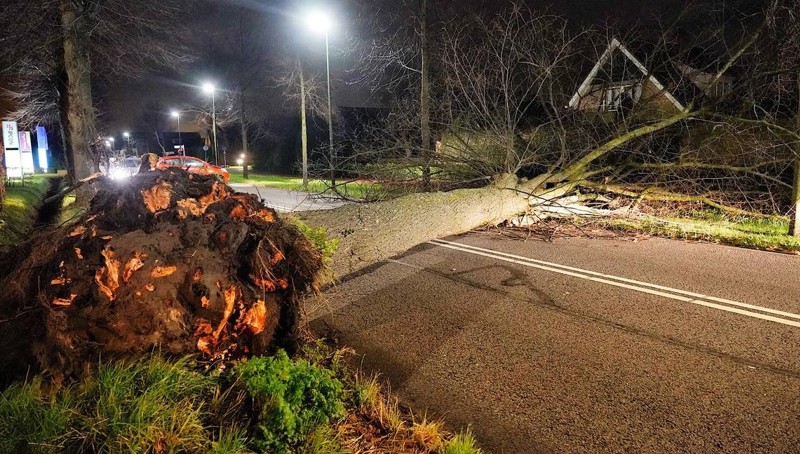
x=167, y=261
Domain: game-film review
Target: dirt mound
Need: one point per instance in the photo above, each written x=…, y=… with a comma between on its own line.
x=167, y=261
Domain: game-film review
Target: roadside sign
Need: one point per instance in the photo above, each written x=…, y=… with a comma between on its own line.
x=26, y=151
x=10, y=135
x=41, y=138
x=13, y=163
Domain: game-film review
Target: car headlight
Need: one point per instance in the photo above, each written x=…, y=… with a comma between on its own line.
x=118, y=174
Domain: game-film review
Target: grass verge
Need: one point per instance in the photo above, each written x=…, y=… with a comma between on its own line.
x=314, y=403
x=356, y=190
x=20, y=209
x=765, y=233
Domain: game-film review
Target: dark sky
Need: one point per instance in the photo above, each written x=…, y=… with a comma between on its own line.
x=124, y=102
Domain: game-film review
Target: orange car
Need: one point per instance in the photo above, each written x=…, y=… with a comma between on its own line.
x=192, y=165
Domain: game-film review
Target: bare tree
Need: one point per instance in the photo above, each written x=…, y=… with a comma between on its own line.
x=60, y=48
x=304, y=90
x=510, y=81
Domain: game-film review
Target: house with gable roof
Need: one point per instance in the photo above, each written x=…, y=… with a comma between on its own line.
x=619, y=80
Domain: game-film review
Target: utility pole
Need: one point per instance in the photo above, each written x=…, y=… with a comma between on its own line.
x=303, y=123
x=425, y=98
x=794, y=220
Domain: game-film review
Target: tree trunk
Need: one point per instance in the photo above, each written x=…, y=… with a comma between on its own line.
x=2, y=181
x=425, y=99
x=245, y=172
x=79, y=111
x=369, y=233
x=303, y=130
x=794, y=221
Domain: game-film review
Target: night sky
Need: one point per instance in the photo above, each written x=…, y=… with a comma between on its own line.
x=174, y=89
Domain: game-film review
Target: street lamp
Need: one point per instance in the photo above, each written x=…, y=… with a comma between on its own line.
x=210, y=89
x=127, y=137
x=321, y=22
x=177, y=114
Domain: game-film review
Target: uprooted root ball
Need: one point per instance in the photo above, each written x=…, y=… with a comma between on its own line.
x=166, y=260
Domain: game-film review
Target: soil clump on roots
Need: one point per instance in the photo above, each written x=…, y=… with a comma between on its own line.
x=166, y=260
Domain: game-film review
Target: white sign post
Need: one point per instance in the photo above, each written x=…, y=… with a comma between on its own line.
x=26, y=150
x=10, y=135
x=13, y=164
x=12, y=154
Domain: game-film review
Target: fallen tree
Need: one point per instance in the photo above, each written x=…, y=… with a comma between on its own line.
x=168, y=261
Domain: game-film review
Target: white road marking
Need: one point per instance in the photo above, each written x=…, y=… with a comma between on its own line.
x=644, y=287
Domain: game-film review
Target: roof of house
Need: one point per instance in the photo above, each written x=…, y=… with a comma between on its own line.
x=610, y=67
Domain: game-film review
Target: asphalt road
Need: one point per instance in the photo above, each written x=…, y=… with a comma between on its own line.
x=285, y=201
x=597, y=345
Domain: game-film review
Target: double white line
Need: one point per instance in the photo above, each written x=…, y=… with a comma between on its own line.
x=736, y=307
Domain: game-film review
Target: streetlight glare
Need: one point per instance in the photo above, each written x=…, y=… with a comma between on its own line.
x=126, y=134
x=110, y=139
x=319, y=21
x=209, y=88
x=175, y=114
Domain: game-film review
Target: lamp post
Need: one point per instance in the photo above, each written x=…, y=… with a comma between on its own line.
x=127, y=137
x=210, y=89
x=177, y=115
x=321, y=22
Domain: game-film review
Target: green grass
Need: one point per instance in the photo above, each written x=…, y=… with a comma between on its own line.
x=356, y=190
x=149, y=406
x=20, y=208
x=462, y=443
x=767, y=233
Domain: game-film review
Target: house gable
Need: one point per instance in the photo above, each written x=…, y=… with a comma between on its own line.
x=593, y=94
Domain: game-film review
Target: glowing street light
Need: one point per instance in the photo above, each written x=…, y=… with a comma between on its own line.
x=210, y=89
x=127, y=137
x=321, y=22
x=176, y=114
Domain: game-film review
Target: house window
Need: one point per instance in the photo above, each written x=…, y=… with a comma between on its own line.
x=616, y=96
x=720, y=89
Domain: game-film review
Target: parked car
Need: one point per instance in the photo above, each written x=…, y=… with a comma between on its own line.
x=125, y=167
x=192, y=165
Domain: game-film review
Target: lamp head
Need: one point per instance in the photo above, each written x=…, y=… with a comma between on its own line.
x=209, y=88
x=319, y=21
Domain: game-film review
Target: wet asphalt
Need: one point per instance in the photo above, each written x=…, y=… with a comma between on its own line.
x=546, y=358
x=284, y=201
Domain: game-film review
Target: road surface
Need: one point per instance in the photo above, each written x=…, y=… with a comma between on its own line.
x=585, y=345
x=285, y=201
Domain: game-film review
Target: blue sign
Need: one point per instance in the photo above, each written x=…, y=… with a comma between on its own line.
x=41, y=138
x=41, y=145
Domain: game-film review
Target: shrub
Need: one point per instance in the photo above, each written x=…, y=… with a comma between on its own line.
x=295, y=398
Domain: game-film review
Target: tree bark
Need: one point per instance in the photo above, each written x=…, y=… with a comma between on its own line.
x=303, y=124
x=2, y=181
x=425, y=98
x=369, y=233
x=79, y=111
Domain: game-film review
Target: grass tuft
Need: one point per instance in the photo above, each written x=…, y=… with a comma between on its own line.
x=427, y=434
x=462, y=443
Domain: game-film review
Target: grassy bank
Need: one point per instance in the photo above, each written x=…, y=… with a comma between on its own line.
x=356, y=190
x=313, y=403
x=766, y=233
x=20, y=209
